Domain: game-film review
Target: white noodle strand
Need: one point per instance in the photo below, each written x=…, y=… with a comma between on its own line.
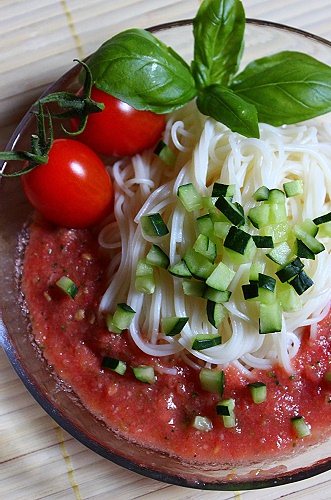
x=208, y=152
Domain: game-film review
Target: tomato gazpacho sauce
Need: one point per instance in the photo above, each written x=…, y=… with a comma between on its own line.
x=74, y=340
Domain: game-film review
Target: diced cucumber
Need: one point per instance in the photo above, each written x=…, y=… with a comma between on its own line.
x=279, y=231
x=123, y=316
x=111, y=326
x=221, y=277
x=293, y=188
x=289, y=299
x=194, y=288
x=324, y=229
x=258, y=392
x=214, y=295
x=212, y=380
x=226, y=408
x=216, y=313
x=259, y=215
x=277, y=213
x=205, y=341
x=180, y=270
x=280, y=254
x=208, y=202
x=239, y=246
x=254, y=271
x=67, y=286
x=145, y=284
x=144, y=278
x=157, y=257
x=266, y=296
x=231, y=210
x=221, y=229
x=302, y=251
x=172, y=325
x=266, y=287
x=144, y=373
x=116, y=365
x=251, y=291
x=189, y=197
x=322, y=219
x=144, y=268
x=205, y=225
x=227, y=190
x=261, y=194
x=199, y=266
x=289, y=270
x=237, y=240
x=166, y=154
x=301, y=282
x=202, y=423
x=300, y=427
x=276, y=196
x=310, y=241
x=205, y=247
x=309, y=226
x=270, y=317
x=267, y=282
x=153, y=225
x=263, y=241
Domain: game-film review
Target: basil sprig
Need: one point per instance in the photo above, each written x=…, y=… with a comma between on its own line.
x=218, y=30
x=286, y=87
x=226, y=107
x=283, y=88
x=137, y=68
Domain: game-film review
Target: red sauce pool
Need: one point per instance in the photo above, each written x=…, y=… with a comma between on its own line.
x=74, y=341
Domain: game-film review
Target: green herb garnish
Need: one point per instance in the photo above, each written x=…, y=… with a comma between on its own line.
x=283, y=88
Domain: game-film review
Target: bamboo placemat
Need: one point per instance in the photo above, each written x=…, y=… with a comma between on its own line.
x=39, y=39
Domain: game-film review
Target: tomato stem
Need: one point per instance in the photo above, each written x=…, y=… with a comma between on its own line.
x=76, y=105
x=40, y=146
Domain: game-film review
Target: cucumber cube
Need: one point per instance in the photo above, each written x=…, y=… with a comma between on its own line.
x=153, y=225
x=270, y=317
x=293, y=188
x=289, y=299
x=199, y=266
x=212, y=380
x=221, y=277
x=205, y=247
x=277, y=213
x=276, y=196
x=172, y=325
x=123, y=316
x=189, y=197
x=261, y=194
x=216, y=313
x=259, y=216
x=205, y=225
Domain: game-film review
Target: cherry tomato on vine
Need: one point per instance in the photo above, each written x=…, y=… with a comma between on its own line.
x=120, y=129
x=73, y=188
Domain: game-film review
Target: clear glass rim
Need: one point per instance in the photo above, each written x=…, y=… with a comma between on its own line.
x=71, y=427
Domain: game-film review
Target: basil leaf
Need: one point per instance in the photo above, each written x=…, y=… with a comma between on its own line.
x=140, y=70
x=218, y=30
x=287, y=87
x=226, y=107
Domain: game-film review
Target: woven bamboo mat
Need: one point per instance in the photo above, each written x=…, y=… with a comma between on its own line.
x=39, y=39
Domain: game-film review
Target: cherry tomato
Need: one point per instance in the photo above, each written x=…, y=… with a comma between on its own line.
x=73, y=188
x=120, y=129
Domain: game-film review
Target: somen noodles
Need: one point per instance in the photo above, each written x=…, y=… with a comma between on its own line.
x=208, y=152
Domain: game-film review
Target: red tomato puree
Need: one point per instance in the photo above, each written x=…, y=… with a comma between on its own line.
x=74, y=341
